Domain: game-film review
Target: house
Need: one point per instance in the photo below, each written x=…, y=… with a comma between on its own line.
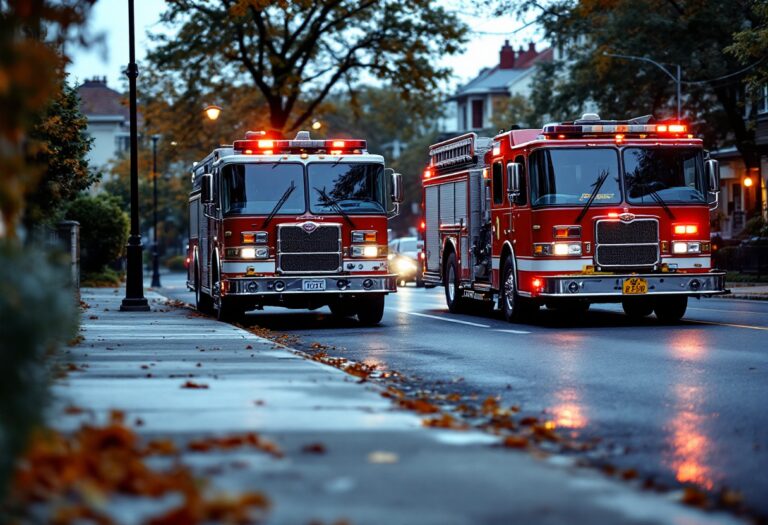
x=476, y=103
x=108, y=121
x=738, y=187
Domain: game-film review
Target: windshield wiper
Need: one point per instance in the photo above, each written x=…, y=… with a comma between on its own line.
x=327, y=201
x=655, y=196
x=598, y=184
x=279, y=204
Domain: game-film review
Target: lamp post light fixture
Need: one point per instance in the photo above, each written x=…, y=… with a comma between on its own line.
x=134, y=300
x=317, y=125
x=676, y=78
x=155, y=261
x=212, y=111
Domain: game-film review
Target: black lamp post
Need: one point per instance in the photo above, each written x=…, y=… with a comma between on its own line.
x=134, y=300
x=155, y=262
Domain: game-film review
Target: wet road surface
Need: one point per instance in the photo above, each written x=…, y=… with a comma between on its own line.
x=683, y=404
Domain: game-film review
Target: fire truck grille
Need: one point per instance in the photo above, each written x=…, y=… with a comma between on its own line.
x=316, y=262
x=627, y=244
x=629, y=256
x=318, y=251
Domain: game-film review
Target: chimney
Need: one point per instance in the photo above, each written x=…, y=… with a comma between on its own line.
x=506, y=56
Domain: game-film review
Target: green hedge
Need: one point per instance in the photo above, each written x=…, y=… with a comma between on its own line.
x=38, y=315
x=104, y=230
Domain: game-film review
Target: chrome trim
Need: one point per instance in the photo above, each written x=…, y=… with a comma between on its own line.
x=382, y=283
x=278, y=268
x=711, y=283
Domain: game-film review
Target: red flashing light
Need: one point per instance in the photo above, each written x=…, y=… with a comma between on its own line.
x=427, y=173
x=677, y=128
x=248, y=152
x=423, y=225
x=299, y=146
x=266, y=144
x=338, y=144
x=613, y=215
x=619, y=138
x=686, y=229
x=537, y=284
x=661, y=128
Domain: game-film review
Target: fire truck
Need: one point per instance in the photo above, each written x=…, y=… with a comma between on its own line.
x=298, y=223
x=581, y=212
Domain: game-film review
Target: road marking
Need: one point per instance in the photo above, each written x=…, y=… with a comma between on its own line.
x=445, y=319
x=727, y=311
x=732, y=325
x=511, y=331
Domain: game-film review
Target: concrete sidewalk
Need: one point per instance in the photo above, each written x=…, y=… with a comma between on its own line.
x=746, y=291
x=377, y=464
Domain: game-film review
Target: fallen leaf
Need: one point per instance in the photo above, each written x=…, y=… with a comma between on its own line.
x=192, y=384
x=313, y=448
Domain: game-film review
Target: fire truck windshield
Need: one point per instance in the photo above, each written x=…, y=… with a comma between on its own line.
x=255, y=188
x=564, y=176
x=675, y=175
x=355, y=188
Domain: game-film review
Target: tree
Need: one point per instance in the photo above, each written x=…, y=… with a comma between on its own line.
x=750, y=46
x=296, y=53
x=671, y=32
x=60, y=147
x=31, y=37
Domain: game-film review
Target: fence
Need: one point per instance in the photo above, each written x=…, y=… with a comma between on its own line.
x=750, y=259
x=65, y=237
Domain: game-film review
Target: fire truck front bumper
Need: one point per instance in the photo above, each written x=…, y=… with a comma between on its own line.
x=615, y=285
x=311, y=284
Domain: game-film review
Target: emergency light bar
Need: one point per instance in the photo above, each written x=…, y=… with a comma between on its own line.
x=277, y=147
x=571, y=130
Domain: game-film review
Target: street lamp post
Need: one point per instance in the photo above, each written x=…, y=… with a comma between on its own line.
x=134, y=300
x=155, y=262
x=677, y=78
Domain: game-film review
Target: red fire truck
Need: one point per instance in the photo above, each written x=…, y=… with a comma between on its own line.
x=297, y=223
x=589, y=211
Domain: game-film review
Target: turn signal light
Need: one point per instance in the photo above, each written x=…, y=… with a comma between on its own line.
x=686, y=229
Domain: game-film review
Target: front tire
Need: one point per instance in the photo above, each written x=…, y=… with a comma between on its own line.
x=342, y=308
x=637, y=307
x=515, y=308
x=670, y=309
x=452, y=282
x=370, y=309
x=228, y=311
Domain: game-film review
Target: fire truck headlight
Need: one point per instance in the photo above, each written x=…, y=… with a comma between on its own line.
x=365, y=251
x=254, y=253
x=565, y=249
x=686, y=247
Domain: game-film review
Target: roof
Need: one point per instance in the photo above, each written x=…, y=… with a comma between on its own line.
x=96, y=99
x=498, y=79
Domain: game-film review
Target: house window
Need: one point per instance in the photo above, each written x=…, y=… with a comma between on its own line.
x=122, y=143
x=762, y=101
x=477, y=114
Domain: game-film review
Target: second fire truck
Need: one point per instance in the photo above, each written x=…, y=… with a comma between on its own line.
x=575, y=213
x=299, y=223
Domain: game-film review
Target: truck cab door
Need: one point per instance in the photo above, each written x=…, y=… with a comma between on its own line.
x=500, y=213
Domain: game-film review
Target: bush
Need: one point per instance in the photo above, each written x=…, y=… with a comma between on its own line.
x=754, y=227
x=175, y=263
x=103, y=230
x=38, y=315
x=106, y=278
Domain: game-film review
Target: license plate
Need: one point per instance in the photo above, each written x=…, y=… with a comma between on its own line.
x=313, y=285
x=635, y=286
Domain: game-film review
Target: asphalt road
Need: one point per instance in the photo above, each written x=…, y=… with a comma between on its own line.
x=682, y=404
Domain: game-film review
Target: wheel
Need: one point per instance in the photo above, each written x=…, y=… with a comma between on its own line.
x=451, y=282
x=637, y=307
x=514, y=307
x=228, y=311
x=670, y=309
x=203, y=301
x=419, y=283
x=370, y=309
x=343, y=308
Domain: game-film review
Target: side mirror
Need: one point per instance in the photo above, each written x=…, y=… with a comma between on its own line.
x=514, y=174
x=712, y=170
x=397, y=188
x=207, y=188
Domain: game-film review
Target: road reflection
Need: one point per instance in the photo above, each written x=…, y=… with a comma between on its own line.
x=568, y=410
x=690, y=446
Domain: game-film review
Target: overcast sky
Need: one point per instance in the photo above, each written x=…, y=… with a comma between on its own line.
x=110, y=17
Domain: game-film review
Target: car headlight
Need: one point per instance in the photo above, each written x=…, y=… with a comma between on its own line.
x=404, y=265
